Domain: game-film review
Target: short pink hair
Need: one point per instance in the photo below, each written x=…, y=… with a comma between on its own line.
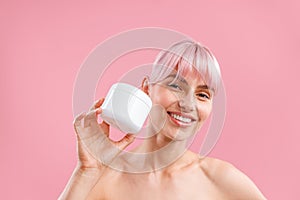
x=185, y=54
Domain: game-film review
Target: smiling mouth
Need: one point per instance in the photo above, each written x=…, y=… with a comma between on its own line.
x=180, y=119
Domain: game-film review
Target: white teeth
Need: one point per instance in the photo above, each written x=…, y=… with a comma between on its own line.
x=181, y=118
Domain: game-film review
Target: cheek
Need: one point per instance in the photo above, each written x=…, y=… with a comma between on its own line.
x=163, y=97
x=204, y=111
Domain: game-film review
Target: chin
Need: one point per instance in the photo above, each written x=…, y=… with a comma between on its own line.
x=179, y=133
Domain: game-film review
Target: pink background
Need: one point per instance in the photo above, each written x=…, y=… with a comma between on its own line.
x=43, y=45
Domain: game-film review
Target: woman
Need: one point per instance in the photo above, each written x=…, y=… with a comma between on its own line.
x=182, y=85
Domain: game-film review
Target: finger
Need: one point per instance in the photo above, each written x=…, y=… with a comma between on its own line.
x=77, y=122
x=98, y=111
x=97, y=104
x=90, y=118
x=105, y=127
x=78, y=118
x=125, y=141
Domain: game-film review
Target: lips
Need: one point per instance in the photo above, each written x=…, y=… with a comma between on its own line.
x=181, y=119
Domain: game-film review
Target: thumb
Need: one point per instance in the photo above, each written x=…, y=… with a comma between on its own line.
x=125, y=141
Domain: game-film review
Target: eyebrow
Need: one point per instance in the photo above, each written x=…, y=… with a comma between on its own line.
x=185, y=82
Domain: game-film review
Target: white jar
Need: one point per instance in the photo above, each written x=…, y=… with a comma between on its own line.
x=126, y=107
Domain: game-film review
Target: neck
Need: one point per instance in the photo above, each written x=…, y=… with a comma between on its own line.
x=160, y=151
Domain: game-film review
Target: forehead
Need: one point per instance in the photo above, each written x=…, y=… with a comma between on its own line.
x=189, y=76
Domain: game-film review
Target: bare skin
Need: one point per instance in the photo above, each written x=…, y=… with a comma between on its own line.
x=189, y=177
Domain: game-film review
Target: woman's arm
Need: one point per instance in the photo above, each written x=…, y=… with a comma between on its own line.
x=93, y=145
x=80, y=184
x=234, y=183
x=240, y=186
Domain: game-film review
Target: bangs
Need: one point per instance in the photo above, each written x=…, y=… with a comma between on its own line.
x=184, y=56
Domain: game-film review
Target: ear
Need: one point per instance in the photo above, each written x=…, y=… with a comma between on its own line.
x=145, y=85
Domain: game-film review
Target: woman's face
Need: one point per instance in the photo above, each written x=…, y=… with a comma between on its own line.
x=184, y=104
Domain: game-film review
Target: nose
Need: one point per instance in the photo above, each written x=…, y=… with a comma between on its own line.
x=186, y=103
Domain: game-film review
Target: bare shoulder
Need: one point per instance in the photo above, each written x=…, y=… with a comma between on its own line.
x=229, y=180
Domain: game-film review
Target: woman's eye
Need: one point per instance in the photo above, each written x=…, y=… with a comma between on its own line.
x=203, y=95
x=174, y=85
